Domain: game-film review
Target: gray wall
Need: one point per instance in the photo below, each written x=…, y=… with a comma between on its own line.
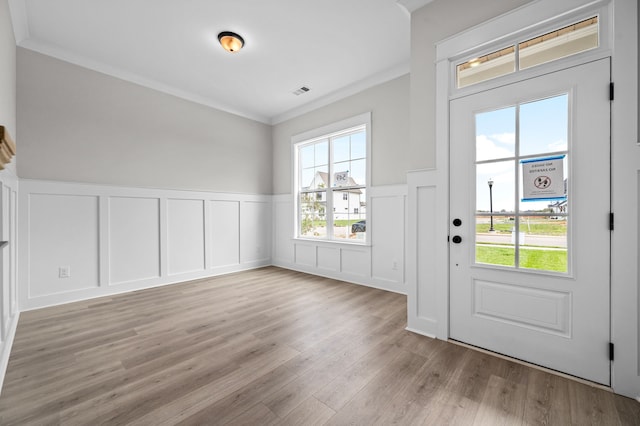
x=7, y=71
x=433, y=23
x=389, y=106
x=79, y=125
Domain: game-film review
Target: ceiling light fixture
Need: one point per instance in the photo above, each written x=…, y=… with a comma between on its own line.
x=231, y=42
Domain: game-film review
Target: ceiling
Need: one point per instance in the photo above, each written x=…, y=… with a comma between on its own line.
x=334, y=47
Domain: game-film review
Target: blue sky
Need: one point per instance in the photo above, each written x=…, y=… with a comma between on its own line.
x=543, y=130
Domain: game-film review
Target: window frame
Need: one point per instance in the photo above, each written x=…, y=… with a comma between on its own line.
x=325, y=132
x=604, y=49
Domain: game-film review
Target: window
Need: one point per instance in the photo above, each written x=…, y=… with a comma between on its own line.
x=522, y=185
x=569, y=40
x=331, y=172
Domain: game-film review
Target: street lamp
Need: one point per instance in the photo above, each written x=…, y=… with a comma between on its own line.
x=490, y=182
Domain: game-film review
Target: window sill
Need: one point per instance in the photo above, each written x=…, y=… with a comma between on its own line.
x=329, y=243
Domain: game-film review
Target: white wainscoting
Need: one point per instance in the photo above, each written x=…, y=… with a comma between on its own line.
x=380, y=264
x=9, y=311
x=117, y=239
x=427, y=300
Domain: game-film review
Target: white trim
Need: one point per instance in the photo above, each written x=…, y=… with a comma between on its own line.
x=352, y=89
x=327, y=131
x=5, y=347
x=18, y=9
x=534, y=17
x=625, y=290
x=254, y=248
x=412, y=5
x=625, y=298
x=529, y=30
x=140, y=80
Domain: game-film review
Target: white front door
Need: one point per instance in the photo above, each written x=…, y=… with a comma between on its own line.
x=529, y=228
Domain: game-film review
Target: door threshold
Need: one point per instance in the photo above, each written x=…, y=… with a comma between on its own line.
x=537, y=367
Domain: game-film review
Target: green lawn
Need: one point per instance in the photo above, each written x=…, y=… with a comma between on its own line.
x=534, y=226
x=547, y=260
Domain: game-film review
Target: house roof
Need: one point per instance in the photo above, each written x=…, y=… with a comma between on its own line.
x=325, y=179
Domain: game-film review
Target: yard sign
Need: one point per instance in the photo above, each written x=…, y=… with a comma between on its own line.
x=543, y=179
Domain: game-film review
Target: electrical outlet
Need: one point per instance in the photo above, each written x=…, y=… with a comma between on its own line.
x=64, y=272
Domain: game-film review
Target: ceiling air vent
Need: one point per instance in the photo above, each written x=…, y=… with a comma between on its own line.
x=300, y=91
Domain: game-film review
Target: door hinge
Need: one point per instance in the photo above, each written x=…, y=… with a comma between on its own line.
x=610, y=351
x=611, y=91
x=611, y=221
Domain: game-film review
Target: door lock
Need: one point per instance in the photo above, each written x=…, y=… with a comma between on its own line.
x=457, y=222
x=457, y=239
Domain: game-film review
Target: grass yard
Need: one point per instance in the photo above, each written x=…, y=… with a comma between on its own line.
x=546, y=260
x=537, y=226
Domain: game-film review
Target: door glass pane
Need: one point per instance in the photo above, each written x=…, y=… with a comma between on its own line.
x=543, y=243
x=558, y=44
x=496, y=134
x=544, y=125
x=486, y=67
x=495, y=247
x=544, y=185
x=495, y=187
x=521, y=185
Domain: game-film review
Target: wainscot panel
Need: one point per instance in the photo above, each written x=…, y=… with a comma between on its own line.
x=380, y=264
x=134, y=239
x=80, y=241
x=185, y=233
x=225, y=232
x=63, y=237
x=422, y=314
x=9, y=312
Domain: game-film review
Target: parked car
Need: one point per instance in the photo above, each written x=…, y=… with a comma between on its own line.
x=359, y=226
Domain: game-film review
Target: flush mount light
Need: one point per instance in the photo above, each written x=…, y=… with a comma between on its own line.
x=231, y=42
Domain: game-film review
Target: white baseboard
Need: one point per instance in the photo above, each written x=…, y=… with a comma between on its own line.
x=5, y=348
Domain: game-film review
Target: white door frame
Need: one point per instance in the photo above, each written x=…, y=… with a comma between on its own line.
x=530, y=20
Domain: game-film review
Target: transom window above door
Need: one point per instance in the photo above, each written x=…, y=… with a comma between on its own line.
x=562, y=42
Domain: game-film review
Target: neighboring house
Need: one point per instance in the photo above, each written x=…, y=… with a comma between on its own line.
x=348, y=204
x=558, y=206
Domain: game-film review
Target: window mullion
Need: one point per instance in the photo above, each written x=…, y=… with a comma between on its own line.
x=518, y=196
x=329, y=215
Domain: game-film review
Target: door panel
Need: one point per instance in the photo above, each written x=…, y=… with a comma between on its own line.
x=530, y=183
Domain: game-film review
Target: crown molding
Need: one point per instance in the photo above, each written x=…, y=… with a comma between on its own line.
x=18, y=10
x=413, y=5
x=102, y=68
x=367, y=83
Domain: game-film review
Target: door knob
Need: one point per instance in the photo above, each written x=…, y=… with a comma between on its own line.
x=457, y=222
x=457, y=239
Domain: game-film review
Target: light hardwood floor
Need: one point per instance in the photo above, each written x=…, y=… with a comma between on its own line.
x=272, y=346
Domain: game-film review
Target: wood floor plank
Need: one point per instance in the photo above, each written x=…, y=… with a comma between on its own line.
x=368, y=405
x=310, y=412
x=502, y=404
x=271, y=347
x=341, y=389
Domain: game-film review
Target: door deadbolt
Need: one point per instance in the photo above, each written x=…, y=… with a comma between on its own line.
x=457, y=222
x=457, y=239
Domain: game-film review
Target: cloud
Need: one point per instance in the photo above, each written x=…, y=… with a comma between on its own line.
x=559, y=145
x=504, y=138
x=488, y=149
